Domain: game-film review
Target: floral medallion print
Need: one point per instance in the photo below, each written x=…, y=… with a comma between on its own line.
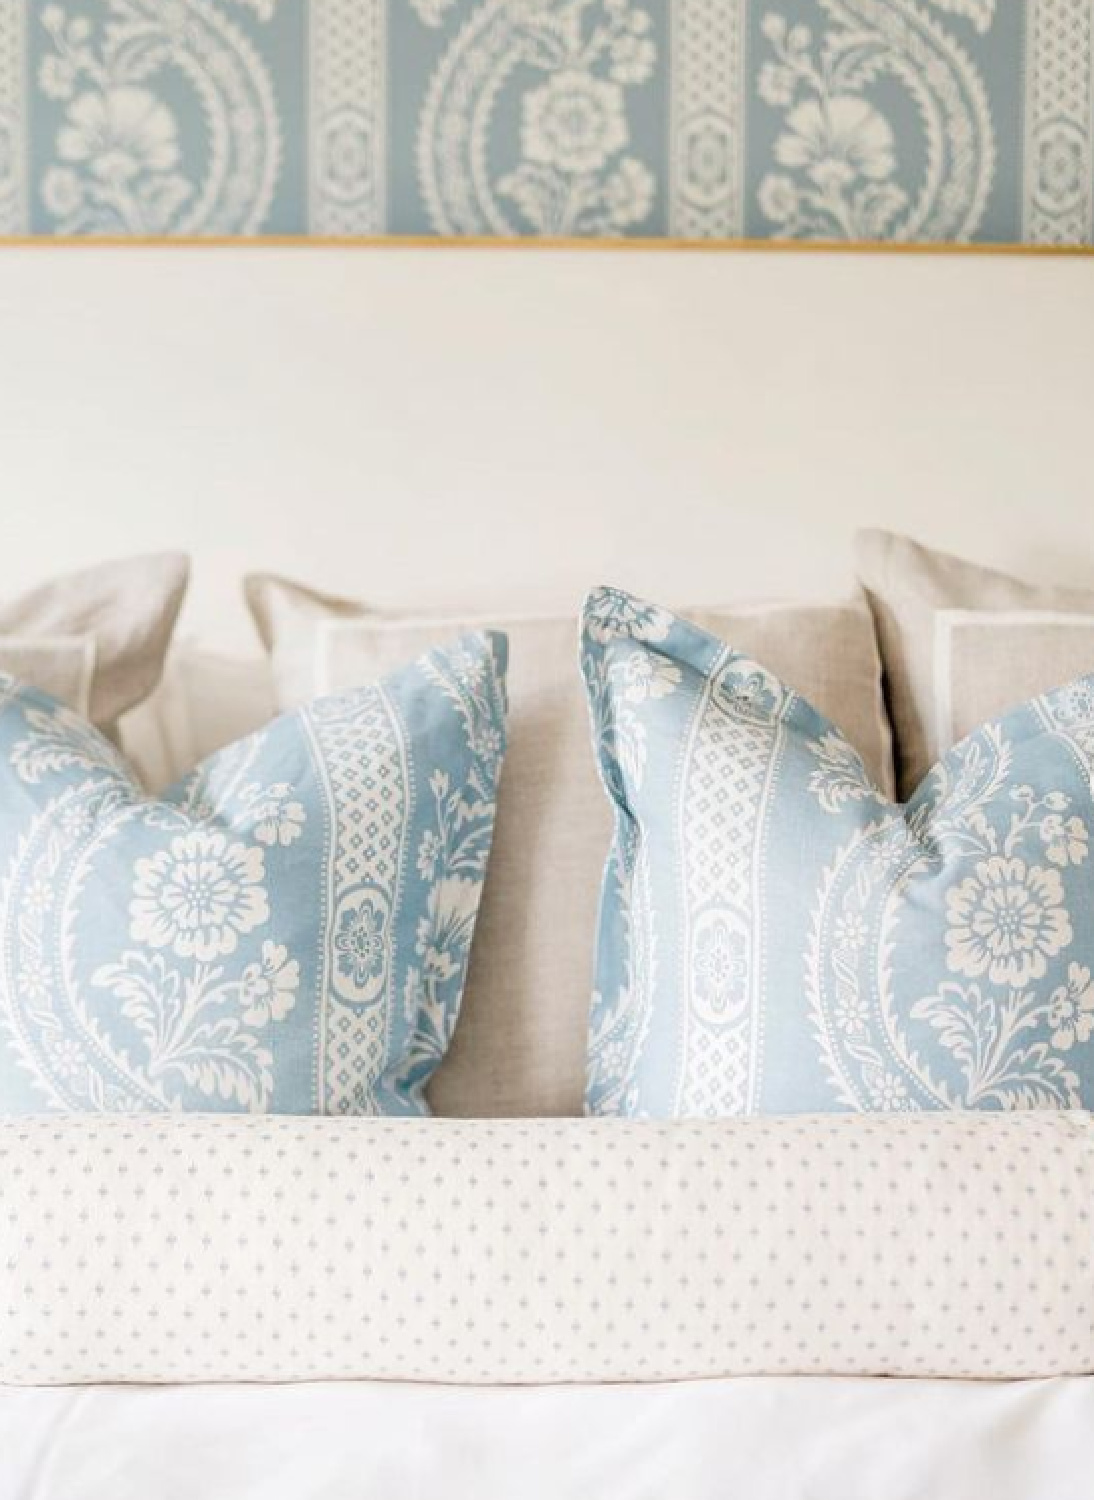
x=777, y=936
x=946, y=120
x=1006, y=920
x=1014, y=1000
x=286, y=930
x=126, y=158
x=198, y=896
x=569, y=68
x=839, y=170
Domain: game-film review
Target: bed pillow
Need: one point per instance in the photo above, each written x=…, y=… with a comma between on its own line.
x=520, y=1045
x=96, y=639
x=207, y=700
x=507, y=1252
x=286, y=930
x=961, y=643
x=777, y=936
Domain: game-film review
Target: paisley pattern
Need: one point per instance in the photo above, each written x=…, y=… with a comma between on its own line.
x=287, y=930
x=938, y=120
x=776, y=936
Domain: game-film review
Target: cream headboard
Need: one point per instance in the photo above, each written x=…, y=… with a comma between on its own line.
x=445, y=427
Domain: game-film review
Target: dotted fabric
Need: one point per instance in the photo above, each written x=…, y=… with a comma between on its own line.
x=198, y=1248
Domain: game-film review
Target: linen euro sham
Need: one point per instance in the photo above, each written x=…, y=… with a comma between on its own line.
x=963, y=643
x=778, y=936
x=286, y=930
x=97, y=639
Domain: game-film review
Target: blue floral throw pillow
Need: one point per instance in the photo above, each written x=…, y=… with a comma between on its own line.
x=286, y=930
x=776, y=936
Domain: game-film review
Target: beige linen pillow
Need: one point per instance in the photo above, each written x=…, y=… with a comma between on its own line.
x=962, y=644
x=205, y=701
x=96, y=639
x=520, y=1045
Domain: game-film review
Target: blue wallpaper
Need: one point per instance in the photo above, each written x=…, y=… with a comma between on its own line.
x=941, y=120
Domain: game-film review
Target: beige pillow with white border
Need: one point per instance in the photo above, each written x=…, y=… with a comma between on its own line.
x=987, y=662
x=962, y=644
x=520, y=1045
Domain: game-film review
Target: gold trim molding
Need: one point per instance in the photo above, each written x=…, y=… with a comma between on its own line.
x=436, y=242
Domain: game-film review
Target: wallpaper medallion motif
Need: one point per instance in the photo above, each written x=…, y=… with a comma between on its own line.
x=941, y=120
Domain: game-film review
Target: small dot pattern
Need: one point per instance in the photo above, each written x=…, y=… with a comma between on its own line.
x=200, y=1248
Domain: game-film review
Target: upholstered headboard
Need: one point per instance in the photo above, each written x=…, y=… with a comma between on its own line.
x=453, y=427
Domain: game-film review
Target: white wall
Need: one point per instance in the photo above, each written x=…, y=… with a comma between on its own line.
x=439, y=427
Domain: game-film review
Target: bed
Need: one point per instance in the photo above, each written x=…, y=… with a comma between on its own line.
x=327, y=439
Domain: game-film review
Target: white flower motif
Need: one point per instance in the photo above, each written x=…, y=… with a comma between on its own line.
x=750, y=693
x=120, y=132
x=1071, y=1009
x=776, y=85
x=274, y=817
x=1066, y=841
x=429, y=853
x=836, y=140
x=628, y=193
x=198, y=895
x=852, y=1014
x=778, y=198
x=444, y=934
x=645, y=675
x=62, y=192
x=57, y=76
x=66, y=1057
x=38, y=897
x=611, y=615
x=851, y=931
x=889, y=1092
x=574, y=122
x=487, y=743
x=35, y=981
x=267, y=989
x=633, y=53
x=1007, y=920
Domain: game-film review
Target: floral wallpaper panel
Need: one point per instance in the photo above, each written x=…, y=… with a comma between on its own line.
x=940, y=120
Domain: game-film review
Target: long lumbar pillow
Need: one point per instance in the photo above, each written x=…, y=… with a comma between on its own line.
x=192, y=1248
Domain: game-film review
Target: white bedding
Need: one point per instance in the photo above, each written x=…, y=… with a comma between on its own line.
x=757, y=1439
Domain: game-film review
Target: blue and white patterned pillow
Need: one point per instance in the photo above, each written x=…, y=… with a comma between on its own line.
x=287, y=930
x=776, y=936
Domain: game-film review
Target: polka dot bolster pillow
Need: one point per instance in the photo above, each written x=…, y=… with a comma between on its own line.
x=531, y=1251
x=777, y=936
x=287, y=930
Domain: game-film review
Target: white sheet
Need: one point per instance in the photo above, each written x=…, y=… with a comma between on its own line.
x=757, y=1439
